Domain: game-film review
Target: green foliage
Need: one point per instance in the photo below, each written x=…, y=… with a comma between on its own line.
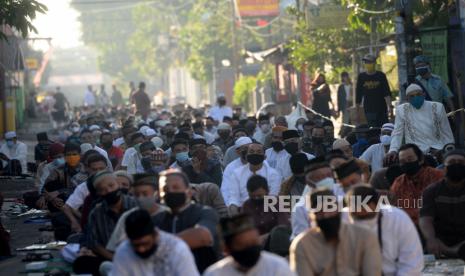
x=19, y=14
x=243, y=89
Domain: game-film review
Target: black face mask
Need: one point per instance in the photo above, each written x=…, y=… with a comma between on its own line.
x=247, y=257
x=330, y=226
x=148, y=253
x=255, y=159
x=175, y=200
x=113, y=197
x=317, y=140
x=257, y=201
x=455, y=172
x=125, y=191
x=244, y=154
x=410, y=168
x=277, y=146
x=292, y=148
x=107, y=145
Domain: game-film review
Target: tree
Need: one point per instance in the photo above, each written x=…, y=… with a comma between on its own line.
x=19, y=14
x=243, y=90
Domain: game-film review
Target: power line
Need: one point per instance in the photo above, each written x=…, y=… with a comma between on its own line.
x=107, y=2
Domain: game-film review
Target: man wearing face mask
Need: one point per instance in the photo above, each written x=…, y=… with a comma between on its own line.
x=256, y=166
x=150, y=251
x=193, y=223
x=145, y=191
x=409, y=187
x=264, y=128
x=375, y=154
x=242, y=145
x=317, y=175
x=334, y=247
x=136, y=140
x=435, y=88
x=441, y=215
x=318, y=146
x=420, y=122
x=242, y=242
x=180, y=151
x=231, y=154
x=154, y=161
x=87, y=137
x=13, y=151
x=373, y=89
x=397, y=236
x=57, y=159
x=295, y=185
x=292, y=145
x=104, y=217
x=276, y=152
x=221, y=110
x=201, y=169
x=224, y=140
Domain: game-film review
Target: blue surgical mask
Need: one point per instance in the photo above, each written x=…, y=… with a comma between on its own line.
x=417, y=101
x=59, y=161
x=182, y=156
x=385, y=140
x=10, y=143
x=422, y=70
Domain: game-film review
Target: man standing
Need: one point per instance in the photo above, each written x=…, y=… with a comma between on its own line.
x=150, y=251
x=89, y=97
x=373, y=89
x=242, y=242
x=420, y=122
x=13, y=154
x=333, y=247
x=116, y=97
x=142, y=101
x=345, y=97
x=434, y=87
x=443, y=209
x=220, y=111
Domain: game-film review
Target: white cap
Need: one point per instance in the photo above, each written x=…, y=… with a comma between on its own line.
x=10, y=135
x=157, y=141
x=243, y=141
x=143, y=129
x=86, y=147
x=149, y=132
x=413, y=88
x=340, y=143
x=94, y=127
x=224, y=126
x=388, y=126
x=118, y=142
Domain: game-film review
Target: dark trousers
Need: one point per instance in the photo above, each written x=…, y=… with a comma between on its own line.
x=376, y=119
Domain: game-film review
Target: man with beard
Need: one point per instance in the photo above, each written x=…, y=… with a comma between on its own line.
x=242, y=244
x=443, y=209
x=193, y=223
x=150, y=251
x=332, y=247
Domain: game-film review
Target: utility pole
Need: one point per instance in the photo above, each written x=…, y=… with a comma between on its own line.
x=235, y=57
x=404, y=43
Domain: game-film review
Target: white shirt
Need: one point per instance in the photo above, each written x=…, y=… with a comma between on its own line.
x=134, y=164
x=209, y=138
x=18, y=152
x=218, y=113
x=227, y=184
x=402, y=251
x=129, y=152
x=272, y=157
x=76, y=199
x=172, y=257
x=374, y=155
x=89, y=98
x=283, y=166
x=348, y=88
x=426, y=127
x=238, y=191
x=269, y=264
x=260, y=136
x=300, y=215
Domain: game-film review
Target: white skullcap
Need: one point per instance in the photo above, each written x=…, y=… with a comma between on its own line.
x=413, y=88
x=118, y=142
x=157, y=141
x=10, y=135
x=149, y=132
x=86, y=147
x=94, y=127
x=224, y=126
x=388, y=126
x=243, y=141
x=340, y=143
x=143, y=129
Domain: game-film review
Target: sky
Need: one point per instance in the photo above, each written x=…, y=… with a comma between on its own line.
x=60, y=23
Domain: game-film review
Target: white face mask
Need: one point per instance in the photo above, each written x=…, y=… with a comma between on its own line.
x=327, y=182
x=385, y=140
x=265, y=127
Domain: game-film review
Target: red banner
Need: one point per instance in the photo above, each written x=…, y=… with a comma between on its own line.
x=250, y=8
